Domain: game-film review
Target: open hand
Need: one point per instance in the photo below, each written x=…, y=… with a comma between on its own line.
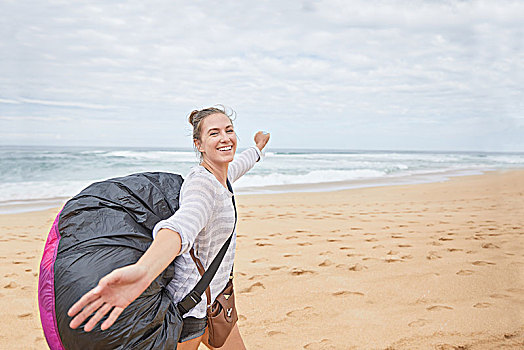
x=114, y=292
x=261, y=139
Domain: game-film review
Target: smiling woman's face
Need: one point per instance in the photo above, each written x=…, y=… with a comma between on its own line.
x=218, y=141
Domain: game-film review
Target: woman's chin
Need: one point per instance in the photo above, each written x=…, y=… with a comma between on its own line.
x=225, y=158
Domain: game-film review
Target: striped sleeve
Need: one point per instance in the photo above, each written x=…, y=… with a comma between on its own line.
x=243, y=162
x=197, y=198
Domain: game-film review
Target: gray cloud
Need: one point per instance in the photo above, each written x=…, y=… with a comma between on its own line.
x=372, y=66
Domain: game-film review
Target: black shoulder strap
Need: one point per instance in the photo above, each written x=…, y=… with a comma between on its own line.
x=195, y=296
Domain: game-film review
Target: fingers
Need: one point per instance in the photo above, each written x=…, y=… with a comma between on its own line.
x=86, y=312
x=97, y=317
x=87, y=298
x=112, y=318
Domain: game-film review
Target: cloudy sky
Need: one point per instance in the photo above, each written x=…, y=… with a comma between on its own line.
x=331, y=74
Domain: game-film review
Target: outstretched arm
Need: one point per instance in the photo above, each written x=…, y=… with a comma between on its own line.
x=121, y=287
x=244, y=161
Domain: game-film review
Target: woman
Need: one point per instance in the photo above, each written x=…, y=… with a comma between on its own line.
x=204, y=221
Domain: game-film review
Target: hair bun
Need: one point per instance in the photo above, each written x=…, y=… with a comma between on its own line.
x=192, y=116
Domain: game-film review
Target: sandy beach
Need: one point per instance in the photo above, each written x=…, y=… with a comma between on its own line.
x=426, y=266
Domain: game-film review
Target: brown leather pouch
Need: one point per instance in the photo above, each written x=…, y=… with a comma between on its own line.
x=222, y=316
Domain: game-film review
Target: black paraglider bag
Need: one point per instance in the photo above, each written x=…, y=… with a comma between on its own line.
x=106, y=226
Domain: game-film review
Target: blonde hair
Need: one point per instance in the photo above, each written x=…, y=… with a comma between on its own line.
x=197, y=116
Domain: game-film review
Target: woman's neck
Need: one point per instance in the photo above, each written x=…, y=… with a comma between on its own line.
x=220, y=172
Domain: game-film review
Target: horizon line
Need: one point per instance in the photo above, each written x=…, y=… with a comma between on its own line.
x=276, y=149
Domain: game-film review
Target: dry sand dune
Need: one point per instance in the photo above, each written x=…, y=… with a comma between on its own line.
x=429, y=266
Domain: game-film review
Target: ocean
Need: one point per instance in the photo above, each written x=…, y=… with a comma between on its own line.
x=34, y=178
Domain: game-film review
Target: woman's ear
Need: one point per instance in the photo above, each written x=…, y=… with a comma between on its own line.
x=198, y=145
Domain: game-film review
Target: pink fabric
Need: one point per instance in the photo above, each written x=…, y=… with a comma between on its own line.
x=46, y=289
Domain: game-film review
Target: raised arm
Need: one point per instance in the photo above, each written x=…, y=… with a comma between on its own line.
x=247, y=159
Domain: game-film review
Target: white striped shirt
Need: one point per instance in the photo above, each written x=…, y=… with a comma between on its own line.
x=205, y=220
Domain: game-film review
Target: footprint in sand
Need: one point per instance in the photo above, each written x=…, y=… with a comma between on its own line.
x=465, y=272
x=275, y=234
x=346, y=248
x=490, y=246
x=392, y=259
x=303, y=244
x=346, y=293
x=300, y=272
x=290, y=255
x=325, y=253
x=454, y=250
x=307, y=311
x=324, y=344
x=276, y=268
x=404, y=245
x=253, y=287
x=371, y=240
x=259, y=260
x=378, y=246
x=433, y=256
x=499, y=296
x=397, y=236
x=444, y=239
x=369, y=258
x=11, y=285
x=25, y=315
x=358, y=267
x=273, y=333
x=326, y=263
x=292, y=237
x=482, y=305
x=264, y=244
x=482, y=263
x=418, y=323
x=255, y=277
x=439, y=308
